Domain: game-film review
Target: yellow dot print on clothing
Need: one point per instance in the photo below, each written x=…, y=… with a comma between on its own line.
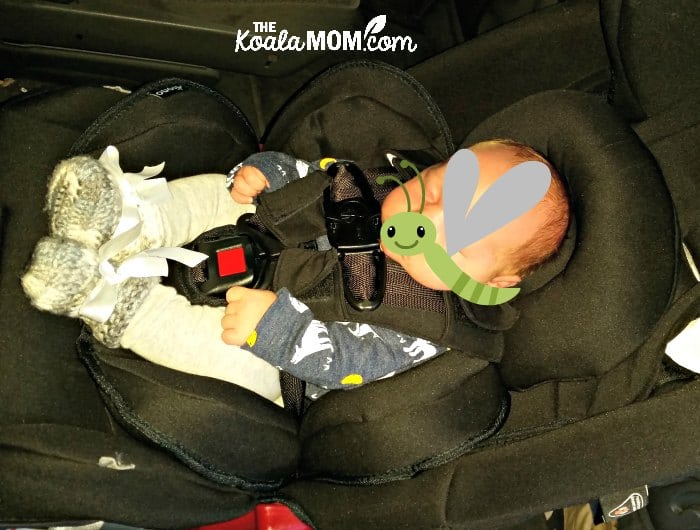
x=252, y=339
x=325, y=162
x=352, y=379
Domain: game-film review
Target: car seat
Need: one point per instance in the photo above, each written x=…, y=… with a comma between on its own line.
x=523, y=467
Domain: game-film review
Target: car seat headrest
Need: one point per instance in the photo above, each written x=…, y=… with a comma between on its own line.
x=653, y=49
x=615, y=274
x=358, y=110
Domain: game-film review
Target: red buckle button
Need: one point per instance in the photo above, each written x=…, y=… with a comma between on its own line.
x=231, y=261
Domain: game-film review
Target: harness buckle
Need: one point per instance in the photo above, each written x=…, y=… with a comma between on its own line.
x=244, y=258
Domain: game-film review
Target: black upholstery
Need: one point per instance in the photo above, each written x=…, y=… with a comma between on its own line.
x=580, y=365
x=645, y=82
x=654, y=48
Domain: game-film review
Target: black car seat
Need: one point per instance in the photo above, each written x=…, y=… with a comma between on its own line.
x=524, y=470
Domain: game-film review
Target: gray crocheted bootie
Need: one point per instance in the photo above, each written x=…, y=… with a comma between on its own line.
x=83, y=202
x=130, y=297
x=61, y=275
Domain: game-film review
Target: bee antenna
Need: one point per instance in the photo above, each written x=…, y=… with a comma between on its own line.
x=422, y=193
x=383, y=178
x=408, y=164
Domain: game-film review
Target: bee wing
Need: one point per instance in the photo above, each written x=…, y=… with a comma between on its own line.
x=458, y=188
x=518, y=190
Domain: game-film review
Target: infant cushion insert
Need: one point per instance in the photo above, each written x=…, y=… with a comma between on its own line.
x=250, y=444
x=619, y=277
x=396, y=428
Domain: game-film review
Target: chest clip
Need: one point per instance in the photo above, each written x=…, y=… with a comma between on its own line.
x=353, y=226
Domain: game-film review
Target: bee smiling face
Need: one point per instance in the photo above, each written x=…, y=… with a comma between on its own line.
x=408, y=233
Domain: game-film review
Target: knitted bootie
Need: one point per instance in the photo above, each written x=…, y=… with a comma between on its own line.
x=62, y=274
x=83, y=202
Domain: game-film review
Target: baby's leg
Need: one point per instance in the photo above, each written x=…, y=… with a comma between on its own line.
x=169, y=331
x=84, y=203
x=199, y=203
x=149, y=318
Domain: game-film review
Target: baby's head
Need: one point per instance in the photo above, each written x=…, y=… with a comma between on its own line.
x=504, y=257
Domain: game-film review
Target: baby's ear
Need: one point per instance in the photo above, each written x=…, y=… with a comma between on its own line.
x=508, y=280
x=433, y=188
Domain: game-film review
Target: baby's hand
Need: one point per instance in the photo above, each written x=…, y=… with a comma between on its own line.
x=243, y=313
x=248, y=183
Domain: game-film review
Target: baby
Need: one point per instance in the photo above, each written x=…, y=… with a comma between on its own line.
x=85, y=203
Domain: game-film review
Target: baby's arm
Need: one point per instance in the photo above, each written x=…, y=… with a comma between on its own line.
x=332, y=354
x=266, y=171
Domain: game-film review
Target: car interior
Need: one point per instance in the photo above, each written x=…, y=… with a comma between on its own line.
x=586, y=389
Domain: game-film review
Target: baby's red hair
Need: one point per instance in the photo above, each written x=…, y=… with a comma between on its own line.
x=545, y=242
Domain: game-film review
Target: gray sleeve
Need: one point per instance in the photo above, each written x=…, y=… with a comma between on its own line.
x=333, y=355
x=279, y=168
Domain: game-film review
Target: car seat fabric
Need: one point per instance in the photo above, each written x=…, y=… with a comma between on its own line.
x=654, y=48
x=558, y=47
x=357, y=110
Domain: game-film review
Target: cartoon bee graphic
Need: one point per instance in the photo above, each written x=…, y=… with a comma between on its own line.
x=410, y=233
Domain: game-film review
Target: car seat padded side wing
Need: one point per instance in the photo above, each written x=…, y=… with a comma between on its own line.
x=620, y=277
x=164, y=119
x=41, y=379
x=654, y=48
x=673, y=137
x=414, y=421
x=221, y=431
x=501, y=486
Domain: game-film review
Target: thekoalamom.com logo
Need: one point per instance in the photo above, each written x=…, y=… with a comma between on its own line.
x=334, y=40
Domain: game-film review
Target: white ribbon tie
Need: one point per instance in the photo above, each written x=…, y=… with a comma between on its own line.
x=136, y=189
